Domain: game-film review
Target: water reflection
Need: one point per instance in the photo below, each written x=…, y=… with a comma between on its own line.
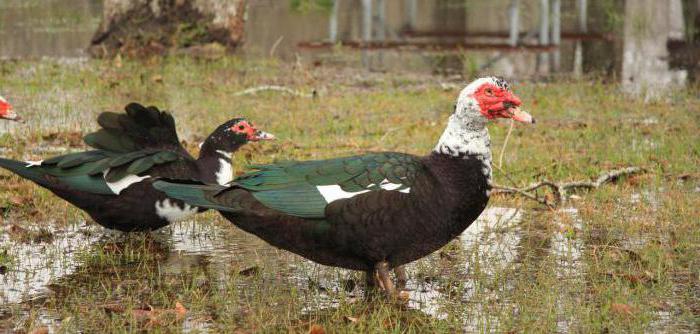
x=35, y=265
x=47, y=28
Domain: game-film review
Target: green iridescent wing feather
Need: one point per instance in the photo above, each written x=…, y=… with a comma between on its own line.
x=292, y=187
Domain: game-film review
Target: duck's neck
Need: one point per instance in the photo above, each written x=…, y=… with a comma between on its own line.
x=215, y=165
x=466, y=135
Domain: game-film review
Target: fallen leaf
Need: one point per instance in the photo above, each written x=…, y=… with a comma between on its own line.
x=622, y=309
x=317, y=329
x=151, y=316
x=40, y=330
x=180, y=310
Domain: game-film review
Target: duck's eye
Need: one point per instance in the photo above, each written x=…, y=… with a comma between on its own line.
x=241, y=127
x=489, y=91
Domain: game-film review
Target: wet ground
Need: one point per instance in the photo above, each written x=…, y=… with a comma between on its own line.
x=41, y=261
x=468, y=276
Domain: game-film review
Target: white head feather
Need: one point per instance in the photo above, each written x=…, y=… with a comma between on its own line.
x=466, y=132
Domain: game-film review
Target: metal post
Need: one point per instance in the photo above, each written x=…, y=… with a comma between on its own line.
x=583, y=15
x=514, y=21
x=411, y=14
x=556, y=34
x=542, y=58
x=381, y=20
x=366, y=28
x=380, y=30
x=583, y=28
x=367, y=20
x=333, y=23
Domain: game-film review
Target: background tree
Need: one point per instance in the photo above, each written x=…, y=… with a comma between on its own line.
x=147, y=27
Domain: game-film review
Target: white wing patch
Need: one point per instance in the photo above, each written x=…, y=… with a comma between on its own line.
x=172, y=212
x=333, y=192
x=117, y=186
x=33, y=163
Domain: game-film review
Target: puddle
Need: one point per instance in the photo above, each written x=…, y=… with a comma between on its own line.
x=492, y=240
x=35, y=265
x=567, y=249
x=494, y=237
x=491, y=248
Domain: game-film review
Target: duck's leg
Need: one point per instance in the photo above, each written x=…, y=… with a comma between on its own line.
x=370, y=280
x=382, y=269
x=401, y=277
x=371, y=284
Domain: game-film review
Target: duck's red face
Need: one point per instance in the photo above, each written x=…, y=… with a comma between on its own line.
x=499, y=102
x=6, y=110
x=248, y=129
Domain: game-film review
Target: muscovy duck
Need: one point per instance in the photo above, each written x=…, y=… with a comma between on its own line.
x=6, y=110
x=113, y=182
x=376, y=211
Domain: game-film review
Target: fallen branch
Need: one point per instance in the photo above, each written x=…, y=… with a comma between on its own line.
x=255, y=90
x=561, y=190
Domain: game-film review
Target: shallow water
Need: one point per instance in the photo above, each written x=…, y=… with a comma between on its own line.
x=36, y=264
x=190, y=245
x=490, y=253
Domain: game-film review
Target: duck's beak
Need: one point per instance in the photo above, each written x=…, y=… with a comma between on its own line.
x=262, y=135
x=11, y=115
x=520, y=115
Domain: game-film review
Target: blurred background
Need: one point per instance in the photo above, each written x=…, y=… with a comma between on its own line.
x=641, y=43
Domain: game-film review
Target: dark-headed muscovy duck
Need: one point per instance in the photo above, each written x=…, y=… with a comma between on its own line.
x=6, y=110
x=376, y=211
x=113, y=182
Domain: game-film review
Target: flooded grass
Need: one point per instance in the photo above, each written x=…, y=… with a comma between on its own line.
x=620, y=259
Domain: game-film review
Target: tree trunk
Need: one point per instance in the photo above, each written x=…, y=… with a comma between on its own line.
x=153, y=27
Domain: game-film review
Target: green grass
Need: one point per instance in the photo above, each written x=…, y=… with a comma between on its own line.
x=631, y=250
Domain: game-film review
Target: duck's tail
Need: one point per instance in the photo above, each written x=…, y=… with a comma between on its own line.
x=25, y=170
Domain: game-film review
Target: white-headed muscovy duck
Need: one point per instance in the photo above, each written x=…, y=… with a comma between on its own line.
x=113, y=182
x=376, y=211
x=6, y=110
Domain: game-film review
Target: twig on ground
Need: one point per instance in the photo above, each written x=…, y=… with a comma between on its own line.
x=255, y=90
x=561, y=190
